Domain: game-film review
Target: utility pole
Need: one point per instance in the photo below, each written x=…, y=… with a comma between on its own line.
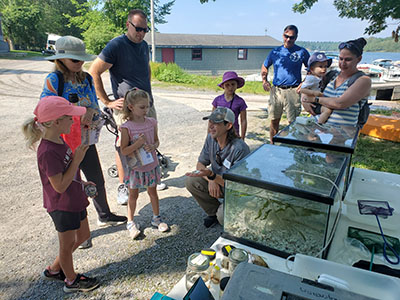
x=153, y=43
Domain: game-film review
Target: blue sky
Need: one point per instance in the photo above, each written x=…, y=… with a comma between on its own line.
x=253, y=17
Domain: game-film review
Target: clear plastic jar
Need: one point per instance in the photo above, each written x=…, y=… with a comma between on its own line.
x=197, y=265
x=215, y=273
x=237, y=256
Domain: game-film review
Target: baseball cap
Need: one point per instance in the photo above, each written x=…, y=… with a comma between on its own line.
x=221, y=114
x=53, y=107
x=318, y=56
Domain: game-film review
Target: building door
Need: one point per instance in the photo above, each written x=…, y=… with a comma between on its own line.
x=168, y=55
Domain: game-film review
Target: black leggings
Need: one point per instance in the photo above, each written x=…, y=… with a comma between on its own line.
x=91, y=167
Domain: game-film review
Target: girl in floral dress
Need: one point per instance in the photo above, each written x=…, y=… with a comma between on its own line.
x=139, y=141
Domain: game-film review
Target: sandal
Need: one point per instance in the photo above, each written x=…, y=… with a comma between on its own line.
x=157, y=222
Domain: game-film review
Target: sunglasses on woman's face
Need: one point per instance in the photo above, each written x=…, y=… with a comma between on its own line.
x=75, y=61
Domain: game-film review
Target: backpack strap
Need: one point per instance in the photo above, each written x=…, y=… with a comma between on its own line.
x=363, y=108
x=90, y=79
x=354, y=77
x=60, y=76
x=327, y=78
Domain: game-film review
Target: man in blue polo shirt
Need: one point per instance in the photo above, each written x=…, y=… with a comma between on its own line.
x=287, y=61
x=127, y=59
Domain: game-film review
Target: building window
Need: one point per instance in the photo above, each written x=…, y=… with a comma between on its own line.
x=197, y=54
x=242, y=54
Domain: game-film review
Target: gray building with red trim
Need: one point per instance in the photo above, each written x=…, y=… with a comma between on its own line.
x=213, y=54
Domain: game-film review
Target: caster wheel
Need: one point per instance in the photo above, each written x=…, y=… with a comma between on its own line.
x=164, y=162
x=113, y=171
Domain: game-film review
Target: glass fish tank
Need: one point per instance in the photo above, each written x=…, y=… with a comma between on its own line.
x=320, y=136
x=284, y=199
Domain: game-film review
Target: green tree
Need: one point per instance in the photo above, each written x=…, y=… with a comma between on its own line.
x=27, y=22
x=55, y=17
x=375, y=12
x=21, y=23
x=102, y=20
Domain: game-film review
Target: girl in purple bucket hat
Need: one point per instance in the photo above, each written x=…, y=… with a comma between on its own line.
x=230, y=82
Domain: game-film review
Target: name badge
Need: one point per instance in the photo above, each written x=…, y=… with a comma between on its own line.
x=227, y=163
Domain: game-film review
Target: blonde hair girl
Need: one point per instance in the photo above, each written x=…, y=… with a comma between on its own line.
x=63, y=196
x=139, y=141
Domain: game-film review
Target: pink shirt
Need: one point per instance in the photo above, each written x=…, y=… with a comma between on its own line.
x=146, y=128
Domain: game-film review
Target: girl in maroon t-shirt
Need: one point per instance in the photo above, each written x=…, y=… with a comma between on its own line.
x=63, y=194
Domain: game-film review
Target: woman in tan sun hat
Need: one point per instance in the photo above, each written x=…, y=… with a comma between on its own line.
x=71, y=82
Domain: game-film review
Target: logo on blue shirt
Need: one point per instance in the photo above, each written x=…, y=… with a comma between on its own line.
x=294, y=57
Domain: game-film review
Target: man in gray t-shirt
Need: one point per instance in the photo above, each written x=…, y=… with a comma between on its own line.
x=221, y=150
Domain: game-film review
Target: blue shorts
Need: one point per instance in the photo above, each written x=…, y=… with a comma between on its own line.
x=66, y=220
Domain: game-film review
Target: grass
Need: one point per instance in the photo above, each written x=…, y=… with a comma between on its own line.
x=384, y=112
x=171, y=75
x=20, y=54
x=376, y=154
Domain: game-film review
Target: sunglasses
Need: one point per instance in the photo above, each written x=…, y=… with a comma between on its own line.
x=290, y=37
x=139, y=29
x=352, y=47
x=75, y=61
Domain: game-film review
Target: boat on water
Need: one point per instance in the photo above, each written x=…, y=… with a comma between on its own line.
x=382, y=70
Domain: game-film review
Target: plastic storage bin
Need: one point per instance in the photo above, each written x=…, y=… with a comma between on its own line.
x=254, y=282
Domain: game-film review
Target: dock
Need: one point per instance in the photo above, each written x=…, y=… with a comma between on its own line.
x=386, y=90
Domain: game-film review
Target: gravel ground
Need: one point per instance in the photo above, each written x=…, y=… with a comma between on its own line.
x=128, y=269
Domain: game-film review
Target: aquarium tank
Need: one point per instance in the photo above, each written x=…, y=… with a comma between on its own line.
x=284, y=199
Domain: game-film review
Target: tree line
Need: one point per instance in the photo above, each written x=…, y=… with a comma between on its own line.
x=26, y=23
x=373, y=45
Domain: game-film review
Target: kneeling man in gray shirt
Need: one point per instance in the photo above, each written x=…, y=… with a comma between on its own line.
x=221, y=150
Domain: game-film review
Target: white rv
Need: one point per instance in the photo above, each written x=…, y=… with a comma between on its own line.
x=51, y=43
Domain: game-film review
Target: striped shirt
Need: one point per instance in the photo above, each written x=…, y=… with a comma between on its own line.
x=347, y=116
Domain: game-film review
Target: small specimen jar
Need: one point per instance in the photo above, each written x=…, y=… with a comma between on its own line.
x=215, y=273
x=197, y=265
x=237, y=256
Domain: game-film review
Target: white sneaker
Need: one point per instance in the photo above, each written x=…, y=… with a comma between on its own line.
x=158, y=223
x=161, y=186
x=86, y=244
x=133, y=229
x=123, y=194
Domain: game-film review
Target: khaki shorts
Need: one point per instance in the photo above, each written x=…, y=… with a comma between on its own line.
x=117, y=114
x=284, y=100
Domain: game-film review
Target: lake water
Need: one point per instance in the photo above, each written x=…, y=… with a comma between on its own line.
x=369, y=57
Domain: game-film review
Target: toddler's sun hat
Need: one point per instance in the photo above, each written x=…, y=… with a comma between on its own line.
x=318, y=57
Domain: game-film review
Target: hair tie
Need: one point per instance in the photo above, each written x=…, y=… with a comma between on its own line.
x=39, y=125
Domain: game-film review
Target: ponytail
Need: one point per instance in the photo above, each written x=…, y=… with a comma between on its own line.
x=33, y=131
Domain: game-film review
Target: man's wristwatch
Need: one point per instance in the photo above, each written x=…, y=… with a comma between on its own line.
x=212, y=177
x=317, y=99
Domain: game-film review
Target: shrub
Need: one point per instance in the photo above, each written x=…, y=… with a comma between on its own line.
x=172, y=73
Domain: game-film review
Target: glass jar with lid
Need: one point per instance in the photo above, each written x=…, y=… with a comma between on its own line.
x=237, y=256
x=197, y=265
